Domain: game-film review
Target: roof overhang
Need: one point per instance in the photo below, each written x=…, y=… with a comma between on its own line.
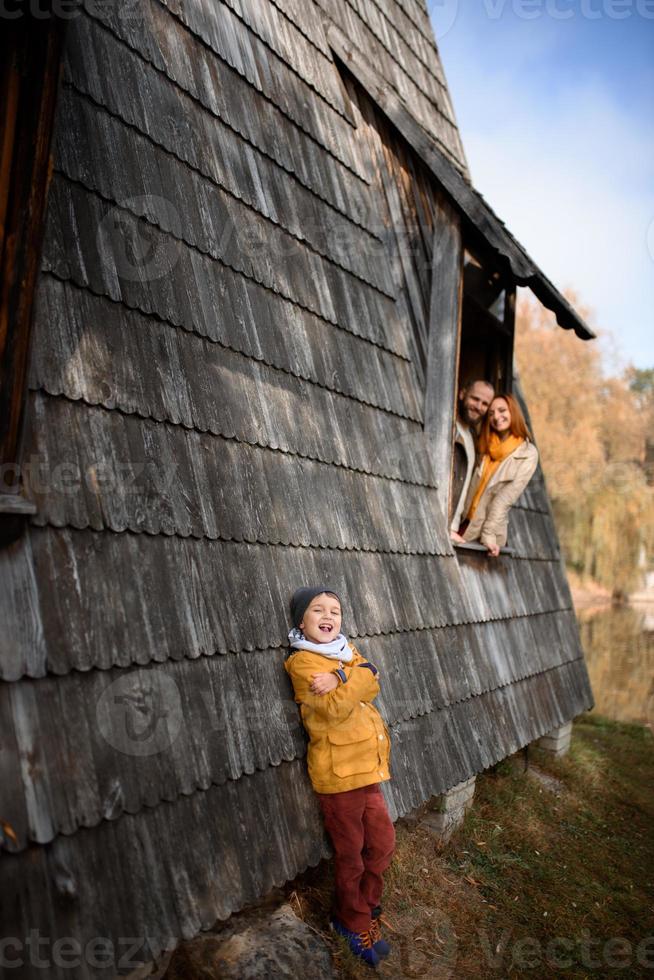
x=511, y=257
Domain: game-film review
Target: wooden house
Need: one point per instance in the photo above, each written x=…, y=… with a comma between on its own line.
x=230, y=369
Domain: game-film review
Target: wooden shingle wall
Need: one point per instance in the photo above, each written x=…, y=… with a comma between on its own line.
x=225, y=403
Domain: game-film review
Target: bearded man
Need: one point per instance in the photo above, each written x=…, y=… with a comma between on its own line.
x=474, y=400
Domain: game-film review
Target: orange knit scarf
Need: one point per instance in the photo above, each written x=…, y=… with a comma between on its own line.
x=498, y=451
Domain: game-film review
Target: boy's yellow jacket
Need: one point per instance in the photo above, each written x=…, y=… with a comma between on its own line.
x=349, y=745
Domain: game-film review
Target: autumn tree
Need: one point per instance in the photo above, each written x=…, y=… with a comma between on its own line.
x=592, y=432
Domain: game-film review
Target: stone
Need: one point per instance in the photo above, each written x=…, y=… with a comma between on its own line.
x=256, y=946
x=449, y=810
x=456, y=797
x=556, y=742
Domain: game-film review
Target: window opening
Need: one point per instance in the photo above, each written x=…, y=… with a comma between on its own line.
x=485, y=353
x=30, y=59
x=487, y=326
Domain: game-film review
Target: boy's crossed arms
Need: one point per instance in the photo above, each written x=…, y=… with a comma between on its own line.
x=333, y=694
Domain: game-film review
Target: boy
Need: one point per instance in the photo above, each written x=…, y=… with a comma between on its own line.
x=347, y=759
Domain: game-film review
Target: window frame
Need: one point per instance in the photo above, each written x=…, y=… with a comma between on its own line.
x=505, y=328
x=31, y=51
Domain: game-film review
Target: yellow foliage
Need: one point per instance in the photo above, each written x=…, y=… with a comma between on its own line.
x=592, y=434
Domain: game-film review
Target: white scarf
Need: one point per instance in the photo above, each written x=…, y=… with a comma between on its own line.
x=337, y=649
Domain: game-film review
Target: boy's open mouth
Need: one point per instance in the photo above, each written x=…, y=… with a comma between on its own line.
x=326, y=628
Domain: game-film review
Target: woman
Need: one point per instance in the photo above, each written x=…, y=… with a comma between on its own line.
x=506, y=463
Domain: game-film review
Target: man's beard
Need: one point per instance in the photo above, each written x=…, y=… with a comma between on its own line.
x=467, y=418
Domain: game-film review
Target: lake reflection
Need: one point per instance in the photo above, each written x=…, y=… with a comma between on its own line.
x=619, y=645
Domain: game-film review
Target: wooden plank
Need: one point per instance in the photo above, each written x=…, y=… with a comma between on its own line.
x=24, y=646
x=118, y=358
x=305, y=58
x=224, y=718
x=481, y=220
x=445, y=747
x=306, y=17
x=227, y=717
x=412, y=225
x=375, y=46
x=444, y=340
x=531, y=535
x=420, y=39
x=412, y=74
x=308, y=349
x=220, y=250
x=281, y=39
x=91, y=620
x=218, y=88
x=222, y=166
x=145, y=476
x=176, y=869
x=13, y=503
x=175, y=120
x=231, y=39
x=407, y=190
x=128, y=172
x=508, y=324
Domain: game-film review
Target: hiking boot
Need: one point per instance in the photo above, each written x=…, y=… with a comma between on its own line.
x=360, y=943
x=379, y=944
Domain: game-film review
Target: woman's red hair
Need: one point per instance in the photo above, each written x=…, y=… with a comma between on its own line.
x=519, y=426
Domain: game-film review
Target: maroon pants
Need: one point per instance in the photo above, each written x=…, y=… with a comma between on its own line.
x=363, y=838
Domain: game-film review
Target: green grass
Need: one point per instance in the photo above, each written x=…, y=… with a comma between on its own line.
x=528, y=867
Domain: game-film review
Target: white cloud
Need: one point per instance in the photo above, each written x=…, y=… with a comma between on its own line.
x=569, y=171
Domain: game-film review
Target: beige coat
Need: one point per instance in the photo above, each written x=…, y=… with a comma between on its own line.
x=491, y=520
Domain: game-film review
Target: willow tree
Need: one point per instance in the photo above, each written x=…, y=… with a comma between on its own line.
x=592, y=432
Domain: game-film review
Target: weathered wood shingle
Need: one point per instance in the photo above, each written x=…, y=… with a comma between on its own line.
x=232, y=715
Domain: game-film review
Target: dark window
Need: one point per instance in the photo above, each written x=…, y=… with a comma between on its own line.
x=487, y=326
x=30, y=56
x=486, y=347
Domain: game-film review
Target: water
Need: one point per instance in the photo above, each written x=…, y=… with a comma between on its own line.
x=619, y=645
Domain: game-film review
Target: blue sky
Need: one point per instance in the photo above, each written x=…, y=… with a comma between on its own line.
x=557, y=119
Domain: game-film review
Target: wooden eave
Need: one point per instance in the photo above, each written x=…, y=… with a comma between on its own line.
x=479, y=218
